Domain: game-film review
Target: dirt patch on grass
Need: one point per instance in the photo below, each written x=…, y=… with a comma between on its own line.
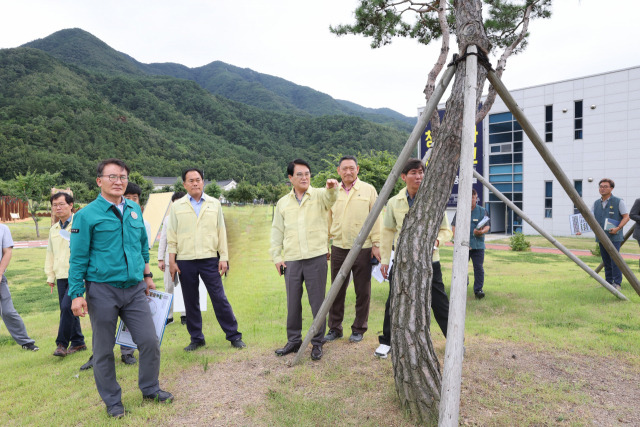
x=504, y=383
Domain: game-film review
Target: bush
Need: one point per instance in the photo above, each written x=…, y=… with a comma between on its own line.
x=517, y=242
x=213, y=189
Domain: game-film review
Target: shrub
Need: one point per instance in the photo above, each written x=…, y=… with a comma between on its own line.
x=517, y=242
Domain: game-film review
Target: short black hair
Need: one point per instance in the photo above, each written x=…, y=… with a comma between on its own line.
x=67, y=197
x=200, y=172
x=608, y=181
x=474, y=192
x=343, y=158
x=178, y=195
x=413, y=164
x=133, y=188
x=293, y=164
x=117, y=162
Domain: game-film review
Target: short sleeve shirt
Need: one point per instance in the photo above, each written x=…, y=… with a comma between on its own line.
x=5, y=237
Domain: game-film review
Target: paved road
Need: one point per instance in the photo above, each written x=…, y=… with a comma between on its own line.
x=30, y=244
x=576, y=252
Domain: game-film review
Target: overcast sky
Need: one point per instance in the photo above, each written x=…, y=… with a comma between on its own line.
x=291, y=39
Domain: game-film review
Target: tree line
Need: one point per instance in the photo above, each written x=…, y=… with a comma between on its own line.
x=59, y=118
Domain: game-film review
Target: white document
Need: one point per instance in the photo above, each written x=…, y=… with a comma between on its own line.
x=65, y=235
x=159, y=303
x=376, y=273
x=482, y=222
x=178, y=299
x=578, y=223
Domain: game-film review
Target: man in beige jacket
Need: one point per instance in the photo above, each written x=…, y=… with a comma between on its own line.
x=197, y=241
x=56, y=267
x=299, y=249
x=355, y=200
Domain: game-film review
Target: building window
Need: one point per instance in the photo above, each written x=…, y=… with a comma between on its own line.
x=577, y=184
x=548, y=199
x=577, y=121
x=505, y=165
x=548, y=123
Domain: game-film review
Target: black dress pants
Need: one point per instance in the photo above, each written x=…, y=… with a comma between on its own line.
x=439, y=304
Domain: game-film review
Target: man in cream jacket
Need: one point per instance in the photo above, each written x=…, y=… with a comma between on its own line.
x=197, y=241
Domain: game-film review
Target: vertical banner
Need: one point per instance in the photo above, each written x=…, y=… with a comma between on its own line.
x=426, y=143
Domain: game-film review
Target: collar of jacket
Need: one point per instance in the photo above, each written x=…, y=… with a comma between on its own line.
x=354, y=186
x=57, y=224
x=292, y=193
x=206, y=201
x=202, y=197
x=106, y=205
x=404, y=193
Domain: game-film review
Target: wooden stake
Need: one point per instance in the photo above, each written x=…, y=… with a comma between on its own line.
x=454, y=351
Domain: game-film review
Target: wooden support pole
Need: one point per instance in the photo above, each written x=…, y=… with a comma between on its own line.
x=562, y=178
x=405, y=154
x=626, y=237
x=449, y=409
x=550, y=238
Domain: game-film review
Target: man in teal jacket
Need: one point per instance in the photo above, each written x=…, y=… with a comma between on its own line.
x=110, y=261
x=480, y=225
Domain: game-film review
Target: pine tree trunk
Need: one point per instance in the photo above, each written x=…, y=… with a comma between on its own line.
x=415, y=363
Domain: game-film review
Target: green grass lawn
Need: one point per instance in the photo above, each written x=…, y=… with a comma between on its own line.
x=26, y=230
x=539, y=300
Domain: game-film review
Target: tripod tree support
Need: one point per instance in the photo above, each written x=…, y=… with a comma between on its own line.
x=550, y=238
x=562, y=178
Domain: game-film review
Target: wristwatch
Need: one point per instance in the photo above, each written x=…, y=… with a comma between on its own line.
x=149, y=274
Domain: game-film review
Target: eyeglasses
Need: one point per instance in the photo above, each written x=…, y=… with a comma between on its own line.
x=605, y=186
x=303, y=174
x=59, y=205
x=114, y=178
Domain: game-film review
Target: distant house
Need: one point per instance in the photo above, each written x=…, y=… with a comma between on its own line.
x=162, y=181
x=227, y=185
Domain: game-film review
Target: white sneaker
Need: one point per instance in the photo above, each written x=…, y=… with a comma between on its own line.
x=382, y=351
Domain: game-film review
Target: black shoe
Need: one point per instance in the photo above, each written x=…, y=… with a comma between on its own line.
x=31, y=346
x=356, y=337
x=88, y=365
x=116, y=411
x=169, y=320
x=238, y=343
x=160, y=396
x=128, y=359
x=479, y=295
x=290, y=347
x=194, y=346
x=316, y=352
x=183, y=320
x=333, y=335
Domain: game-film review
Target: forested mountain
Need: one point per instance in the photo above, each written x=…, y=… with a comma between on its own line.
x=57, y=116
x=78, y=47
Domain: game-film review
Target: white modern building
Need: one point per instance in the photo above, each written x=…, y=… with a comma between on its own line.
x=590, y=124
